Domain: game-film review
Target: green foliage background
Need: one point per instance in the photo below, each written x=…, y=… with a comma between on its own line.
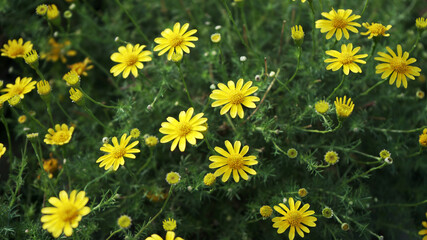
x=389, y=202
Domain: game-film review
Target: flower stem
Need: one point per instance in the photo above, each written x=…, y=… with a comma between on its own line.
x=230, y=16
x=117, y=231
x=155, y=216
x=324, y=131
x=297, y=68
x=9, y=141
x=230, y=122
x=373, y=47
x=364, y=8
x=398, y=131
x=33, y=118
x=63, y=110
x=45, y=174
x=416, y=41
x=185, y=84
x=313, y=28
x=133, y=21
x=93, y=116
x=96, y=179
x=339, y=85
x=94, y=101
x=148, y=161
x=370, y=89
x=49, y=112
x=365, y=173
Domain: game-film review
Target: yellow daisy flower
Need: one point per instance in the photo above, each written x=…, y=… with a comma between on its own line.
x=130, y=59
x=339, y=22
x=176, y=40
x=188, y=128
x=343, y=107
x=397, y=66
x=266, y=211
x=293, y=218
x=117, y=152
x=65, y=214
x=14, y=49
x=169, y=236
x=60, y=136
x=421, y=24
x=169, y=224
x=234, y=96
x=321, y=106
x=58, y=51
x=375, y=30
x=81, y=68
x=233, y=161
x=20, y=88
x=124, y=221
x=2, y=149
x=346, y=59
x=423, y=138
x=424, y=231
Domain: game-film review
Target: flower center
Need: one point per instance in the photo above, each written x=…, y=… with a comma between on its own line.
x=184, y=129
x=346, y=58
x=235, y=161
x=60, y=137
x=294, y=218
x=377, y=29
x=236, y=98
x=119, y=152
x=69, y=212
x=339, y=22
x=176, y=40
x=131, y=60
x=399, y=65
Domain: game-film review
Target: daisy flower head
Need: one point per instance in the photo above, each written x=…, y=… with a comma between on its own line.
x=343, y=107
x=233, y=96
x=331, y=157
x=233, y=161
x=265, y=211
x=188, y=128
x=52, y=12
x=117, y=152
x=421, y=23
x=209, y=179
x=43, y=88
x=176, y=40
x=2, y=149
x=423, y=138
x=60, y=136
x=14, y=48
x=41, y=9
x=65, y=214
x=169, y=236
x=169, y=224
x=347, y=59
x=338, y=23
x=20, y=88
x=81, y=68
x=321, y=106
x=396, y=65
x=130, y=59
x=294, y=218
x=173, y=178
x=375, y=30
x=124, y=221
x=297, y=34
x=424, y=231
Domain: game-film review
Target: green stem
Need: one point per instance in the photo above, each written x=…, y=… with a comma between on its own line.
x=40, y=74
x=94, y=101
x=373, y=47
x=230, y=16
x=21, y=171
x=33, y=118
x=365, y=173
x=63, y=110
x=364, y=8
x=320, y=131
x=93, y=116
x=313, y=28
x=371, y=88
x=117, y=231
x=49, y=112
x=148, y=161
x=9, y=141
x=155, y=216
x=339, y=85
x=230, y=122
x=45, y=174
x=296, y=70
x=398, y=131
x=416, y=41
x=133, y=21
x=97, y=178
x=209, y=145
x=185, y=84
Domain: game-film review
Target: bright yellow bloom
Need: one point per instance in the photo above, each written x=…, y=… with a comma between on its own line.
x=375, y=30
x=2, y=149
x=124, y=221
x=22, y=119
x=344, y=107
x=421, y=24
x=266, y=211
x=60, y=136
x=233, y=161
x=65, y=214
x=302, y=192
x=76, y=95
x=169, y=236
x=173, y=178
x=385, y=154
x=423, y=138
x=130, y=59
x=292, y=153
x=81, y=67
x=58, y=51
x=14, y=101
x=117, y=152
x=134, y=133
x=293, y=218
x=151, y=141
x=397, y=66
x=234, y=96
x=43, y=87
x=188, y=128
x=31, y=58
x=20, y=88
x=14, y=49
x=321, y=106
x=41, y=9
x=169, y=225
x=50, y=165
x=331, y=157
x=424, y=231
x=209, y=179
x=340, y=22
x=52, y=12
x=175, y=41
x=297, y=33
x=216, y=37
x=72, y=78
x=346, y=59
